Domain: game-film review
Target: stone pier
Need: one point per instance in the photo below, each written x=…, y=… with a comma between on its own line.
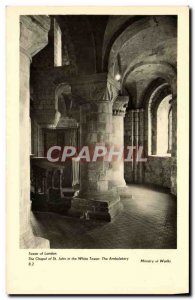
x=33, y=37
x=96, y=198
x=119, y=109
x=134, y=137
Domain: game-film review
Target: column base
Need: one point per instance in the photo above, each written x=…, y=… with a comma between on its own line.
x=117, y=183
x=124, y=192
x=102, y=206
x=121, y=188
x=29, y=241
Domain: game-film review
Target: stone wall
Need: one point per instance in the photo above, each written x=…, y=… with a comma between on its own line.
x=35, y=138
x=174, y=148
x=158, y=171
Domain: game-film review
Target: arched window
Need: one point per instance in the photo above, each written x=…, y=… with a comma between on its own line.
x=163, y=126
x=160, y=127
x=57, y=45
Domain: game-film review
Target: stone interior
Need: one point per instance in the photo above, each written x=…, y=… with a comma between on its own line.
x=146, y=221
x=89, y=81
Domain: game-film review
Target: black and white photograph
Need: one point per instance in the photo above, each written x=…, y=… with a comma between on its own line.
x=98, y=123
x=98, y=150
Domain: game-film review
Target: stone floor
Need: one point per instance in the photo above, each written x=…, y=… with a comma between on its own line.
x=148, y=221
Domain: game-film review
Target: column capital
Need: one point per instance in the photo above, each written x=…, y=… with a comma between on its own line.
x=33, y=34
x=120, y=105
x=112, y=89
x=95, y=87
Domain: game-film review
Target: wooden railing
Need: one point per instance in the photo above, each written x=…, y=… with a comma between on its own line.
x=53, y=182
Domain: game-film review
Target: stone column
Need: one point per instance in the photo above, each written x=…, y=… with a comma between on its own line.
x=96, y=198
x=128, y=141
x=33, y=37
x=119, y=109
x=141, y=143
x=134, y=137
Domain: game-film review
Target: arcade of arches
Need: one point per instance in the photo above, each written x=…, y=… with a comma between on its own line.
x=86, y=80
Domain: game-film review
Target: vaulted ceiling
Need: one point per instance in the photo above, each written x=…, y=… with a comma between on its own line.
x=139, y=48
